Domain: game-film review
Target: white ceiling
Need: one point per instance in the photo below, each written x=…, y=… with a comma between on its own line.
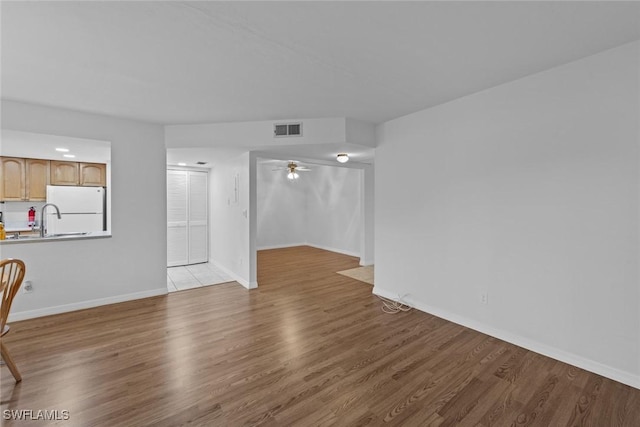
x=204, y=62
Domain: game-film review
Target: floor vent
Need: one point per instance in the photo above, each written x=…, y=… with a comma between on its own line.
x=287, y=129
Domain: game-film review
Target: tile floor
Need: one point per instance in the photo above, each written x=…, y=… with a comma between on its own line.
x=194, y=276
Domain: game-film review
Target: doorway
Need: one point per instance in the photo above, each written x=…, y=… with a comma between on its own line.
x=187, y=230
x=324, y=208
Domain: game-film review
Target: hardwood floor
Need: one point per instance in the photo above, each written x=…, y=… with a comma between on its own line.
x=309, y=347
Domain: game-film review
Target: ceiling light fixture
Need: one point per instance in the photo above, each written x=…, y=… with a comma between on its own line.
x=292, y=166
x=342, y=157
x=182, y=164
x=62, y=150
x=70, y=156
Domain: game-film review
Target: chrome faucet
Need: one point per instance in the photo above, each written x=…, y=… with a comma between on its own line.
x=42, y=216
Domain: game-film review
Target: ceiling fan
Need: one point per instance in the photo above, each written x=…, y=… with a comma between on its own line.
x=292, y=169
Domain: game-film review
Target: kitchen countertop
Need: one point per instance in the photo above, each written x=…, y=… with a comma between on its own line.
x=20, y=229
x=91, y=235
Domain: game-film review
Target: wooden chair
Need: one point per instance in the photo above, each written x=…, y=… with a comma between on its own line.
x=11, y=273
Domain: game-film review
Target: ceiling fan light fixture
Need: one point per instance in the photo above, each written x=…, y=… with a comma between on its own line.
x=292, y=175
x=342, y=157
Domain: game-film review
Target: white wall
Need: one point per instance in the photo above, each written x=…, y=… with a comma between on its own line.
x=282, y=208
x=132, y=263
x=333, y=209
x=528, y=192
x=259, y=133
x=322, y=208
x=367, y=209
x=229, y=220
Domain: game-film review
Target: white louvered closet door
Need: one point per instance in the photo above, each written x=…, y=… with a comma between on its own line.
x=177, y=216
x=187, y=213
x=198, y=217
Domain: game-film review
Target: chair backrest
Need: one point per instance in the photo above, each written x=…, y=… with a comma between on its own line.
x=11, y=276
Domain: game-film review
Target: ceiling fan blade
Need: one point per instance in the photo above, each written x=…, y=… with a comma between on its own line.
x=292, y=166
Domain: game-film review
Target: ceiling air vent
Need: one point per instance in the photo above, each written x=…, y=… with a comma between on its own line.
x=201, y=163
x=287, y=129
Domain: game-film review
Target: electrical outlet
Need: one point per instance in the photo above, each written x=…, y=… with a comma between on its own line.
x=484, y=298
x=28, y=287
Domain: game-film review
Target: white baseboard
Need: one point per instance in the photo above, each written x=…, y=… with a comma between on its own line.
x=287, y=245
x=336, y=250
x=325, y=248
x=587, y=364
x=234, y=276
x=81, y=305
x=366, y=262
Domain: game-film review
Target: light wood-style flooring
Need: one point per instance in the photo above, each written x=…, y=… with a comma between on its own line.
x=308, y=348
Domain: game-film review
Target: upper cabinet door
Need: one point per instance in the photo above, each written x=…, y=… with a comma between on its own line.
x=12, y=174
x=64, y=173
x=37, y=178
x=93, y=174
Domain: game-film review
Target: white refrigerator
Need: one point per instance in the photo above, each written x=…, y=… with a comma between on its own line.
x=81, y=209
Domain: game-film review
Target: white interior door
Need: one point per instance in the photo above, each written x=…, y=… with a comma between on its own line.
x=197, y=224
x=187, y=217
x=177, y=216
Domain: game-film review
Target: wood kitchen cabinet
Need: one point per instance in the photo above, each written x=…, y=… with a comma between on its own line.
x=93, y=174
x=23, y=179
x=36, y=179
x=74, y=173
x=27, y=179
x=12, y=172
x=65, y=173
